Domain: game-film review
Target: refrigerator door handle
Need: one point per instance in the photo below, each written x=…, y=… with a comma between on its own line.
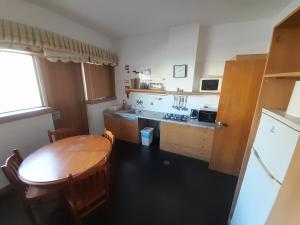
x=264, y=166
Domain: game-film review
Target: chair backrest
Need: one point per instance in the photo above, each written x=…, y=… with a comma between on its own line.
x=88, y=190
x=109, y=135
x=10, y=169
x=61, y=133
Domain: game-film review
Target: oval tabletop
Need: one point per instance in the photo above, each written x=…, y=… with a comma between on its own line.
x=53, y=163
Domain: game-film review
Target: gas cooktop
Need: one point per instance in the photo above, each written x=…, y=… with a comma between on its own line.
x=176, y=117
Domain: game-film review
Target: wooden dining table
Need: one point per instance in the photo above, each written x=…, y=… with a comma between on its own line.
x=53, y=163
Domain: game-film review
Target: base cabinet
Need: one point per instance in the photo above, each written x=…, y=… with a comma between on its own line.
x=123, y=129
x=186, y=140
x=112, y=123
x=129, y=131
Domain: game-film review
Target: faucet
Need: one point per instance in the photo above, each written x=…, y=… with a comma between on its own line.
x=139, y=102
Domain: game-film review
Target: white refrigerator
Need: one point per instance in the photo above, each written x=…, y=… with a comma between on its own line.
x=271, y=153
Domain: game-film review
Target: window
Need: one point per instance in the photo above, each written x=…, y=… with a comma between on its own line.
x=19, y=85
x=99, y=82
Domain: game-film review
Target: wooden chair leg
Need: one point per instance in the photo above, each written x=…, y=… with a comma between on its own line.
x=77, y=220
x=29, y=211
x=109, y=206
x=107, y=184
x=75, y=217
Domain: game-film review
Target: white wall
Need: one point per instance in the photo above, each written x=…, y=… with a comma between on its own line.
x=95, y=116
x=286, y=11
x=159, y=52
x=26, y=135
x=204, y=49
x=182, y=49
x=142, y=52
x=227, y=40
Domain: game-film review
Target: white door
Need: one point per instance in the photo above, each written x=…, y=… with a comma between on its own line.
x=275, y=142
x=257, y=195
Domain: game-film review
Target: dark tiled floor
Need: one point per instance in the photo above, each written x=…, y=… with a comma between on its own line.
x=150, y=187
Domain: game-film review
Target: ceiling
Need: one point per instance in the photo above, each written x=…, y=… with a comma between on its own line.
x=124, y=18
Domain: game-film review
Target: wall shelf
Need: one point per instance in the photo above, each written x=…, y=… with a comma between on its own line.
x=147, y=91
x=191, y=93
x=283, y=75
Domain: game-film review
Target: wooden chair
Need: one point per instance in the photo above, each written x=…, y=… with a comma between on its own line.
x=109, y=135
x=88, y=191
x=61, y=133
x=27, y=193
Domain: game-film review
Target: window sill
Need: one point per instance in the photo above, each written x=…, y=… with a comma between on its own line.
x=99, y=100
x=23, y=114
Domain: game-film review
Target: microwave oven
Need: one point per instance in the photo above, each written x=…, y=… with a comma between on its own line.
x=207, y=115
x=210, y=85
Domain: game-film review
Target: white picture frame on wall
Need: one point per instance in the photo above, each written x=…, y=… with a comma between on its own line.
x=180, y=71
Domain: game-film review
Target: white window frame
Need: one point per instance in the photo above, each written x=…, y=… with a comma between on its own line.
x=40, y=83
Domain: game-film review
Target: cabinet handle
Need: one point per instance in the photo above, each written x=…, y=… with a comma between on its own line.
x=264, y=166
x=272, y=129
x=220, y=124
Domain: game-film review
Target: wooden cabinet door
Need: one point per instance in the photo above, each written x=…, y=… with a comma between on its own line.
x=126, y=130
x=112, y=124
x=186, y=140
x=129, y=131
x=65, y=93
x=287, y=205
x=239, y=94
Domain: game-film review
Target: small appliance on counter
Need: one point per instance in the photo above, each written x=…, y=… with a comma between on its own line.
x=194, y=114
x=151, y=85
x=207, y=115
x=176, y=117
x=135, y=83
x=144, y=85
x=156, y=86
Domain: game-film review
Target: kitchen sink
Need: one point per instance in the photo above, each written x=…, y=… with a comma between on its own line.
x=126, y=111
x=128, y=114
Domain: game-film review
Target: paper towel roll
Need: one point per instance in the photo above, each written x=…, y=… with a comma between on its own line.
x=294, y=105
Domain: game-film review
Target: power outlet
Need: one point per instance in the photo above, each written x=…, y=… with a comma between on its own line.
x=56, y=115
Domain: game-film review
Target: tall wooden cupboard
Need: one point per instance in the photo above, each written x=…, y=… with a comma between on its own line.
x=281, y=73
x=241, y=83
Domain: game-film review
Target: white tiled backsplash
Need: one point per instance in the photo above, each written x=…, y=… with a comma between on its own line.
x=164, y=103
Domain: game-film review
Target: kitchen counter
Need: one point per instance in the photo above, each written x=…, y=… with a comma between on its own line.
x=158, y=116
x=192, y=138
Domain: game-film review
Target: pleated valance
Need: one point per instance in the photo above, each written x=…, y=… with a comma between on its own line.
x=54, y=46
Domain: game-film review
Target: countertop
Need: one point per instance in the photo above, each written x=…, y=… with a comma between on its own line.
x=158, y=116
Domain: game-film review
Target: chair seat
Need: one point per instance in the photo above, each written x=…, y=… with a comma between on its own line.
x=35, y=192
